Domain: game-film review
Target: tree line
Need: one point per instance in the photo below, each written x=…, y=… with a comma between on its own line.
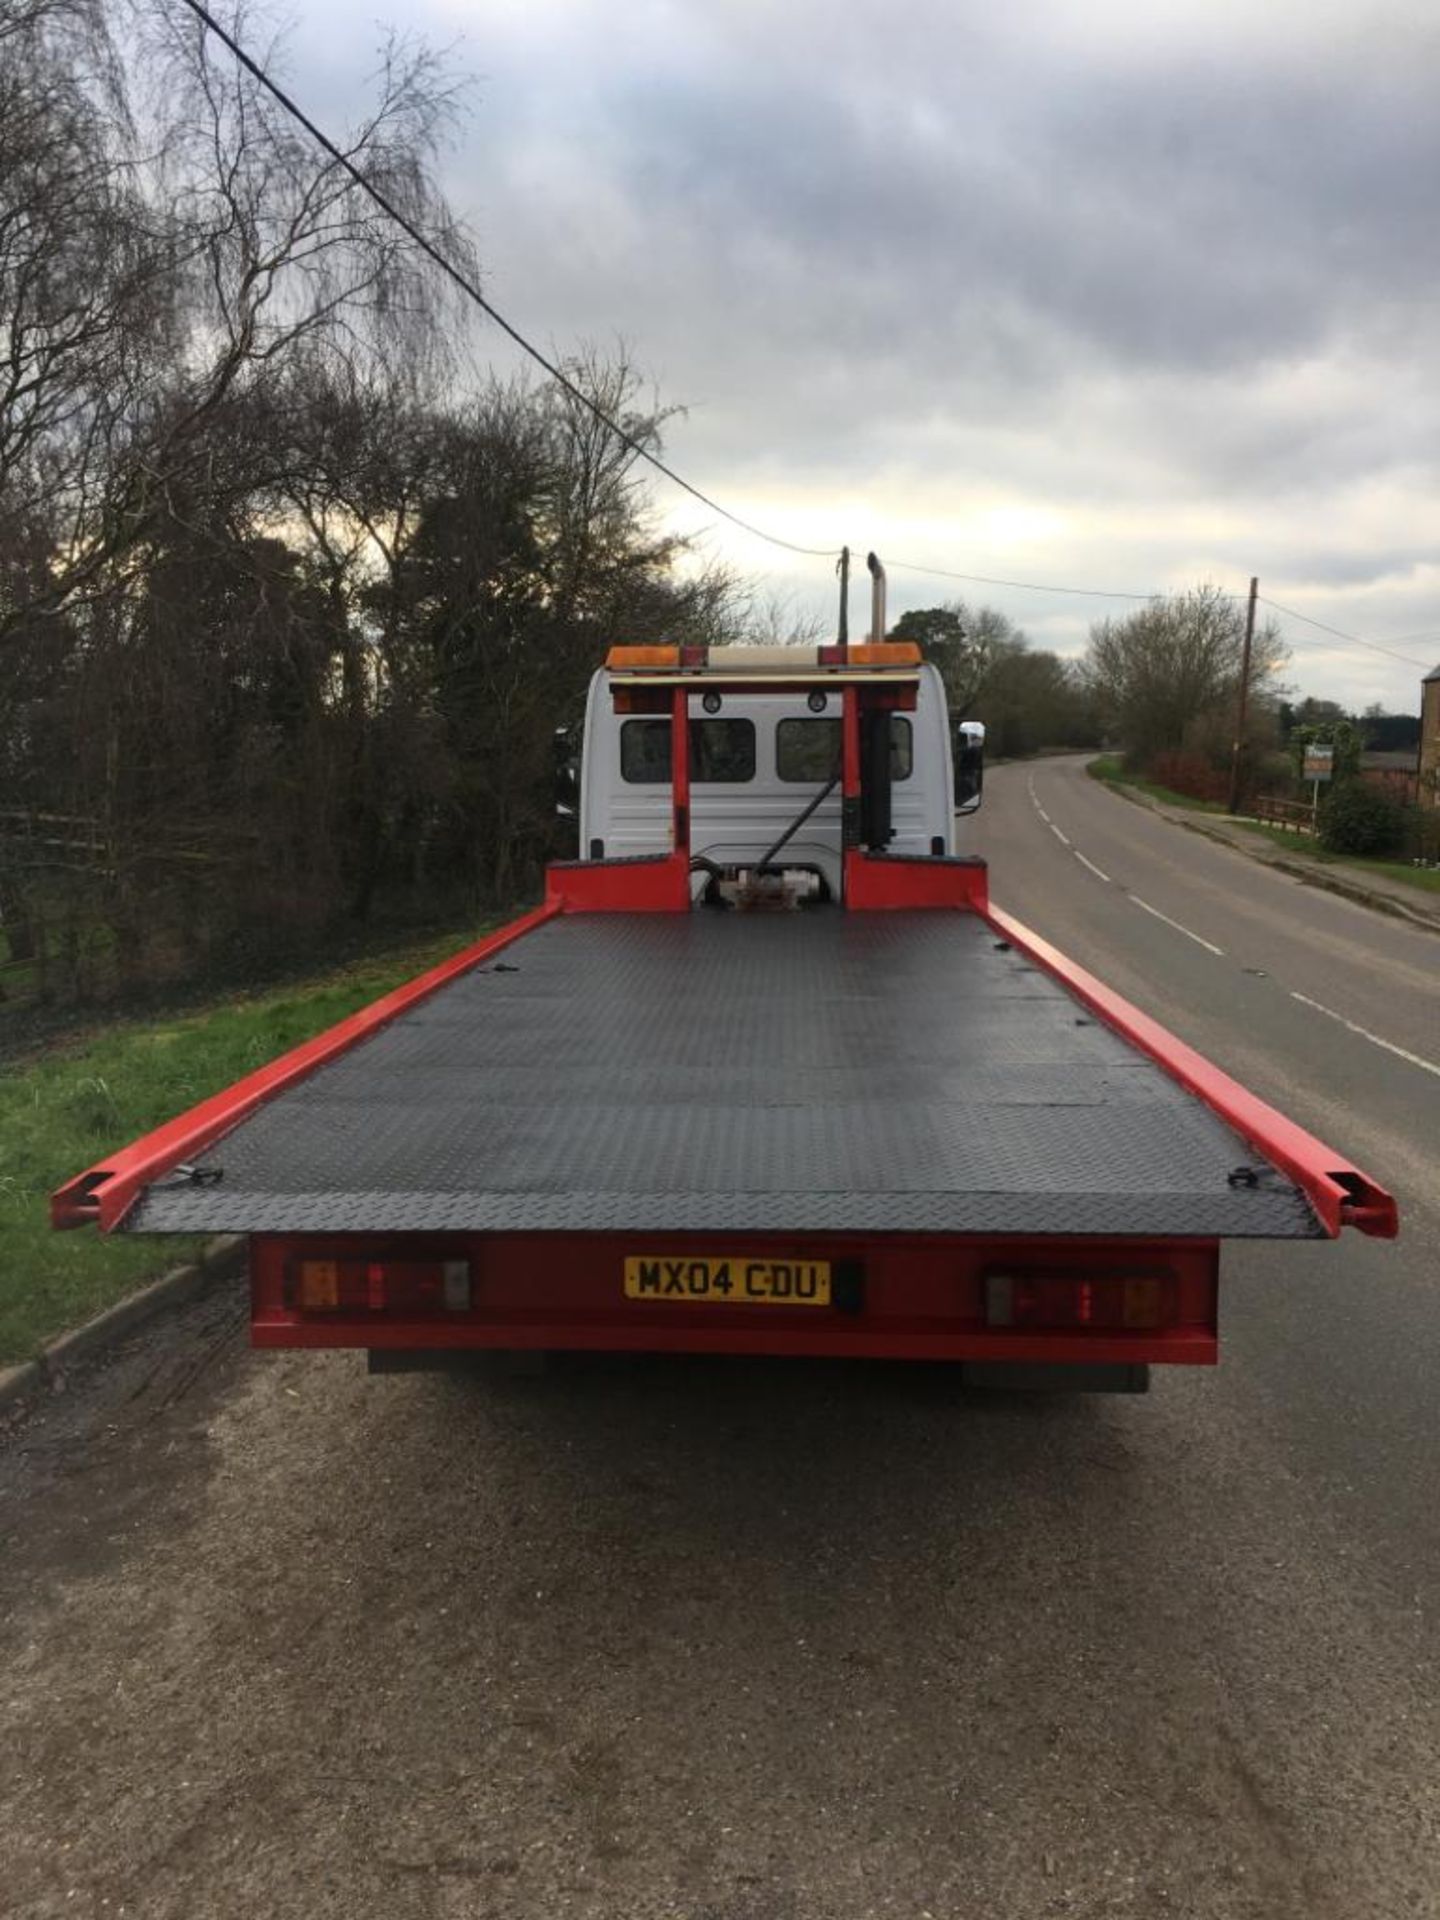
x=1167, y=680
x=1028, y=697
x=291, y=594
x=1161, y=685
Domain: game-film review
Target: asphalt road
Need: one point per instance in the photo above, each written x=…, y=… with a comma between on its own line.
x=734, y=1641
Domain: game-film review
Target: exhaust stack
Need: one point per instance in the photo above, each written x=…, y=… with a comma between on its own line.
x=877, y=598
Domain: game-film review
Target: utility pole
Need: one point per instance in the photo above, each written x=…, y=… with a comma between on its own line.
x=843, y=569
x=1244, y=702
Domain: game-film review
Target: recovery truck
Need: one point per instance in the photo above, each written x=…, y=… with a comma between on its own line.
x=766, y=1073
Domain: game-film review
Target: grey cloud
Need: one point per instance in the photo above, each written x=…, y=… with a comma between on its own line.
x=1339, y=568
x=1171, y=219
x=792, y=247
x=1115, y=260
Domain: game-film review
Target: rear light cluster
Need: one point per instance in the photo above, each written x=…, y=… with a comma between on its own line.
x=378, y=1286
x=1128, y=1302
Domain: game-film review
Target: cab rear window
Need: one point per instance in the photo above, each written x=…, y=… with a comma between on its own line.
x=810, y=749
x=722, y=752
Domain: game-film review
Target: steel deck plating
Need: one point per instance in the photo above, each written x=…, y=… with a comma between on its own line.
x=816, y=1072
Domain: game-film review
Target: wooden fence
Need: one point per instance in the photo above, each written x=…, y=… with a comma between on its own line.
x=1296, y=815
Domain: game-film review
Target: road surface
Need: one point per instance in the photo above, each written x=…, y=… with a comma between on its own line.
x=734, y=1641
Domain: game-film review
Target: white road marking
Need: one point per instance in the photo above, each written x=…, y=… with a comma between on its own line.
x=1426, y=1066
x=1035, y=798
x=1403, y=1053
x=1145, y=906
x=1064, y=840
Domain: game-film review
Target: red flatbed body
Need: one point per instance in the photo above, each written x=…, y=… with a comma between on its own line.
x=906, y=1128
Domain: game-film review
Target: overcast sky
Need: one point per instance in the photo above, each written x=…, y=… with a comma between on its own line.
x=1120, y=294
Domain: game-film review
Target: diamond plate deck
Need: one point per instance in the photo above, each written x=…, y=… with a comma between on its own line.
x=817, y=1072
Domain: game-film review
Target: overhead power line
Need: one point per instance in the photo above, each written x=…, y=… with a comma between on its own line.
x=1023, y=586
x=1410, y=639
x=1353, y=639
x=1100, y=593
x=468, y=287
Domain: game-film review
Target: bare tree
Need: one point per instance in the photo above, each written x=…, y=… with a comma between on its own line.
x=776, y=620
x=962, y=642
x=167, y=253
x=287, y=615
x=599, y=513
x=1162, y=671
x=86, y=289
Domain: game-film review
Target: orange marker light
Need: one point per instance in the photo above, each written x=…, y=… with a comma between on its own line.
x=632, y=659
x=317, y=1284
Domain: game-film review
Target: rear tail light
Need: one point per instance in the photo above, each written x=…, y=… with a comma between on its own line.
x=379, y=1286
x=1122, y=1302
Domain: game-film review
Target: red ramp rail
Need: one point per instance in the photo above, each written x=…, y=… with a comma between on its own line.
x=1340, y=1193
x=105, y=1193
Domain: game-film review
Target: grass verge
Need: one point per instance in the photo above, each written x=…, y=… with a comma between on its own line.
x=1298, y=846
x=67, y=1108
x=1109, y=768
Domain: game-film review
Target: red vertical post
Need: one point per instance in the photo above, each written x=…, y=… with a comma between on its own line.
x=849, y=779
x=850, y=737
x=680, y=769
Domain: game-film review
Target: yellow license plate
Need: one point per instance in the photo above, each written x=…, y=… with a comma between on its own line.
x=732, y=1282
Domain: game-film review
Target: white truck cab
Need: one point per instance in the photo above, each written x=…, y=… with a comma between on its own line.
x=759, y=762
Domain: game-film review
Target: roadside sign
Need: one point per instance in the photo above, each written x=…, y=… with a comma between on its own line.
x=1319, y=762
x=1319, y=766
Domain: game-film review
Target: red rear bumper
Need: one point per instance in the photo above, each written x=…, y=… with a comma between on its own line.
x=919, y=1298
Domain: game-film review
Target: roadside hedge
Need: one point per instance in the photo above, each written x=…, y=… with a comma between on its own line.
x=1358, y=818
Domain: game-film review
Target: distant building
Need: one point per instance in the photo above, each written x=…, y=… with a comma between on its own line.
x=1430, y=739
